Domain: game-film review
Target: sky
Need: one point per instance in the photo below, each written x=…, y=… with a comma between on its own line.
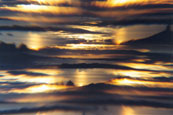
x=78, y=57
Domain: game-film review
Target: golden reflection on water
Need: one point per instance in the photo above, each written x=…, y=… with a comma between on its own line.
x=39, y=113
x=126, y=110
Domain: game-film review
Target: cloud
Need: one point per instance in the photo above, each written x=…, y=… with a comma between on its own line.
x=129, y=21
x=132, y=53
x=91, y=66
x=13, y=85
x=163, y=79
x=26, y=73
x=45, y=29
x=12, y=3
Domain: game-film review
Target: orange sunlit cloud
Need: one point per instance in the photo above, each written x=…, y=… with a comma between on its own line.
x=51, y=2
x=90, y=46
x=41, y=19
x=116, y=3
x=135, y=73
x=49, y=78
x=106, y=3
x=31, y=8
x=88, y=56
x=55, y=2
x=136, y=82
x=62, y=10
x=146, y=66
x=40, y=88
x=87, y=47
x=113, y=3
x=131, y=12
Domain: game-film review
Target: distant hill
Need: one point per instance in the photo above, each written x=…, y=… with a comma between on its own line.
x=164, y=37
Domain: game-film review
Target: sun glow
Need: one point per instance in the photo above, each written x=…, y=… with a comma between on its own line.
x=39, y=113
x=34, y=41
x=120, y=36
x=80, y=78
x=127, y=111
x=118, y=42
